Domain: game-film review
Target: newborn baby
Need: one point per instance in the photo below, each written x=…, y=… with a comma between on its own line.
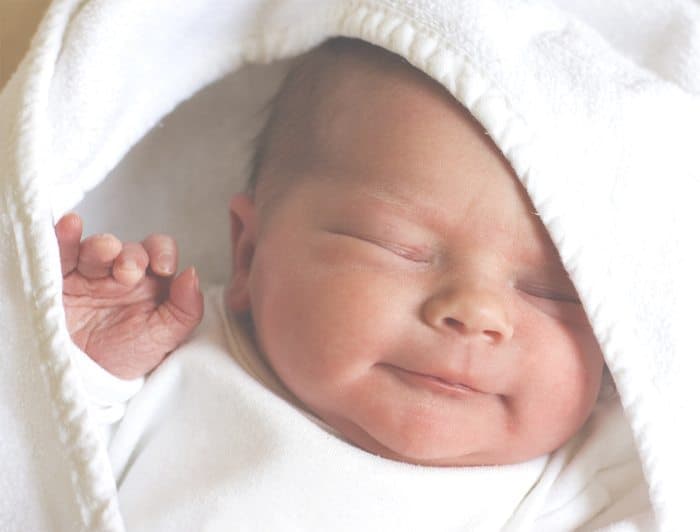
x=395, y=302
x=389, y=271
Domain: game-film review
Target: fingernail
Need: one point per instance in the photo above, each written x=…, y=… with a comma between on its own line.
x=165, y=263
x=129, y=264
x=196, y=279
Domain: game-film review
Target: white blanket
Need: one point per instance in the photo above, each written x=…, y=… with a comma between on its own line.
x=595, y=104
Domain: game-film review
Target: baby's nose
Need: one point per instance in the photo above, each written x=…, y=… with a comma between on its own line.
x=469, y=311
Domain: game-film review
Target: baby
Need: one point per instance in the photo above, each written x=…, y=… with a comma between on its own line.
x=390, y=270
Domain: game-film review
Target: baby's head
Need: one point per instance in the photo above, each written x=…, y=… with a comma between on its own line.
x=400, y=283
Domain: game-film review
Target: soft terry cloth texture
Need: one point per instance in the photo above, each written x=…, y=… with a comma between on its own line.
x=595, y=104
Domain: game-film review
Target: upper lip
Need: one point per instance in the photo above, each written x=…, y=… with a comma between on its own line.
x=447, y=378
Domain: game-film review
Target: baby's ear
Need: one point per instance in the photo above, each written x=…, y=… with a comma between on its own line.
x=243, y=238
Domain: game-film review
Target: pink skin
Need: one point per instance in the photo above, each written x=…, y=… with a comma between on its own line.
x=413, y=300
x=124, y=305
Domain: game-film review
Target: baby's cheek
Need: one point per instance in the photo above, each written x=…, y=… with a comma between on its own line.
x=559, y=375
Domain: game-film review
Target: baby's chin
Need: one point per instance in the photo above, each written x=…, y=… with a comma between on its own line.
x=434, y=456
x=433, y=450
x=446, y=456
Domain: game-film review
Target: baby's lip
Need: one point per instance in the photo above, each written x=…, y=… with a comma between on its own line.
x=447, y=378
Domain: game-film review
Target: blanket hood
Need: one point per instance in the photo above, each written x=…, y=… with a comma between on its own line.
x=595, y=105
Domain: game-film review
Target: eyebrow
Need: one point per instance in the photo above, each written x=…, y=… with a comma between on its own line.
x=432, y=219
x=427, y=216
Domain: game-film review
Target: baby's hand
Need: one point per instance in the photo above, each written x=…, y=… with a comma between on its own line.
x=124, y=306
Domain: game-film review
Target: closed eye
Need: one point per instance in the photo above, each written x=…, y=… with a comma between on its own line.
x=402, y=251
x=412, y=253
x=545, y=293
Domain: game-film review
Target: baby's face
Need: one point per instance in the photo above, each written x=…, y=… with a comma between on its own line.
x=405, y=292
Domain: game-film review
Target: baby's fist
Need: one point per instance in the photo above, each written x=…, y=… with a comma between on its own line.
x=124, y=305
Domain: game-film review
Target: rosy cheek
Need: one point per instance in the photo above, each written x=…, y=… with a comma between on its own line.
x=556, y=344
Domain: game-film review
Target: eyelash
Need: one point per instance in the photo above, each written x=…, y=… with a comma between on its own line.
x=401, y=251
x=552, y=296
x=414, y=255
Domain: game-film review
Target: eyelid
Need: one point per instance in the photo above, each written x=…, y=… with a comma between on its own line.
x=412, y=253
x=419, y=254
x=549, y=293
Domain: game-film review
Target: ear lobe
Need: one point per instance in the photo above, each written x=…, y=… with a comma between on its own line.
x=243, y=240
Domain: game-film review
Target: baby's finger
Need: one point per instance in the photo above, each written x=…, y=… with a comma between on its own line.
x=185, y=302
x=97, y=254
x=130, y=266
x=177, y=317
x=162, y=254
x=69, y=229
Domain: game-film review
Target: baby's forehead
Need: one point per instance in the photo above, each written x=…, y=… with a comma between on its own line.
x=331, y=125
x=339, y=77
x=304, y=120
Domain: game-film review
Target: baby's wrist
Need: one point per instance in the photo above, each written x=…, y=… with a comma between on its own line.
x=102, y=386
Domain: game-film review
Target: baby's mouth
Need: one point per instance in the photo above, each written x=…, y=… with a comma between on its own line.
x=432, y=382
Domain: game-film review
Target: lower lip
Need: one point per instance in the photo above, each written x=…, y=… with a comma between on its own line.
x=433, y=383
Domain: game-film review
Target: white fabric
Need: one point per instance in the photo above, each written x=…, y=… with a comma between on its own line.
x=595, y=104
x=595, y=482
x=107, y=394
x=243, y=449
